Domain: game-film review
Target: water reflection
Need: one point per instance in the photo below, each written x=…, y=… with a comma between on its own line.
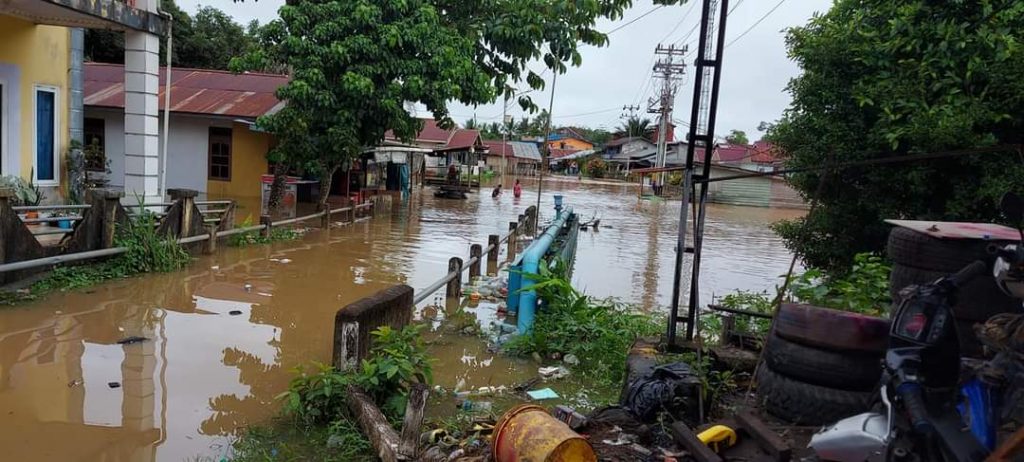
x=223, y=335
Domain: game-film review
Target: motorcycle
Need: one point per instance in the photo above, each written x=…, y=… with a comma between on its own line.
x=932, y=408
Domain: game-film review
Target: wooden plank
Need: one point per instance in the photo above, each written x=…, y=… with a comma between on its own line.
x=768, y=439
x=1011, y=448
x=684, y=436
x=414, y=408
x=375, y=426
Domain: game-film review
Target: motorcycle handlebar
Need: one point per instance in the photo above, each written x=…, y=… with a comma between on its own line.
x=913, y=401
x=969, y=272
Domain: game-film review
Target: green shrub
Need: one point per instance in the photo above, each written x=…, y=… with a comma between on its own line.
x=864, y=289
x=255, y=237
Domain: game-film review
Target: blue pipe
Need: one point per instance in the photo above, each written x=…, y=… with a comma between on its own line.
x=527, y=309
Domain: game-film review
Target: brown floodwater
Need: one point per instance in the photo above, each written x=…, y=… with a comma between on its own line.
x=224, y=335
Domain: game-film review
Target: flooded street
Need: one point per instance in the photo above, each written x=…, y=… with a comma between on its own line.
x=224, y=335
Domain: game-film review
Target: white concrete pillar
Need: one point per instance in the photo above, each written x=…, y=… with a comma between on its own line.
x=141, y=117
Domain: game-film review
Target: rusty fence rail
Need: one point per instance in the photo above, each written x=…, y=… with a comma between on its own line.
x=452, y=280
x=210, y=238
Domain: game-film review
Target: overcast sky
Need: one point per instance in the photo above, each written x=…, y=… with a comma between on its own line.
x=756, y=68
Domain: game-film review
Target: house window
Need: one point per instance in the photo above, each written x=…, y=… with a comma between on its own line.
x=220, y=153
x=95, y=136
x=47, y=119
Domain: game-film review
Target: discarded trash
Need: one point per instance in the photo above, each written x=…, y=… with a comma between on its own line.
x=215, y=267
x=716, y=435
x=474, y=296
x=573, y=419
x=131, y=340
x=646, y=396
x=553, y=372
x=430, y=437
x=522, y=387
x=113, y=384
x=571, y=360
x=476, y=406
x=247, y=287
x=543, y=393
x=286, y=260
x=234, y=312
x=640, y=449
x=75, y=383
x=528, y=432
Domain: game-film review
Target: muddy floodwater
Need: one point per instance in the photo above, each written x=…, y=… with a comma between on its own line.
x=221, y=338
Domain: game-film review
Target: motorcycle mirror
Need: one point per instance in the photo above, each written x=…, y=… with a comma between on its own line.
x=1012, y=207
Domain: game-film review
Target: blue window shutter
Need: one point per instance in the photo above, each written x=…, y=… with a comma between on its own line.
x=44, y=136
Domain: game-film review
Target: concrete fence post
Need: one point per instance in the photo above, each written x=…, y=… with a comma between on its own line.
x=111, y=202
x=186, y=199
x=474, y=268
x=354, y=323
x=267, y=224
x=325, y=219
x=210, y=246
x=513, y=232
x=494, y=242
x=454, y=288
x=522, y=222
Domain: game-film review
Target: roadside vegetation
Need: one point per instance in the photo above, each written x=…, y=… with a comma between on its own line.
x=148, y=252
x=255, y=237
x=315, y=423
x=863, y=288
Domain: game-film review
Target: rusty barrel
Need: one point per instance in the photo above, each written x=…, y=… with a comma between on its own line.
x=528, y=433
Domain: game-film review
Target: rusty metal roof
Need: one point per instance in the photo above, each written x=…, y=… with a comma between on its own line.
x=193, y=91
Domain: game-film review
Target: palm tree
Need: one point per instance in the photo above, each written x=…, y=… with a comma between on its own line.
x=636, y=126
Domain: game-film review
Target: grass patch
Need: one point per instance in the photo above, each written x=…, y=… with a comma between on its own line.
x=599, y=332
x=284, y=442
x=255, y=237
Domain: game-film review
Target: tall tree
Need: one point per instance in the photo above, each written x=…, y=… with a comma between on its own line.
x=635, y=126
x=884, y=78
x=737, y=137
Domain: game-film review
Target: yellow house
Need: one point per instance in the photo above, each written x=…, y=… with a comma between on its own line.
x=34, y=99
x=216, y=148
x=569, y=140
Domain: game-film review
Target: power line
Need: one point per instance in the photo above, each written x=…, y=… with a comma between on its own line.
x=631, y=21
x=685, y=15
x=616, y=108
x=777, y=5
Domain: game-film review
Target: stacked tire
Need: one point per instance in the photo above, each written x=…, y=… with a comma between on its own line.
x=821, y=365
x=919, y=258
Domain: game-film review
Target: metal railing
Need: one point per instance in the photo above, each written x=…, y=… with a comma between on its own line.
x=92, y=254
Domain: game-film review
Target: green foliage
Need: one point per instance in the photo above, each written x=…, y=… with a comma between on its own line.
x=760, y=302
x=255, y=237
x=397, y=360
x=596, y=167
x=25, y=192
x=888, y=78
x=862, y=289
x=340, y=441
x=207, y=40
x=148, y=251
x=737, y=137
x=598, y=332
x=636, y=126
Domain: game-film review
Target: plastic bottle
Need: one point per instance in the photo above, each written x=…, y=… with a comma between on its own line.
x=476, y=406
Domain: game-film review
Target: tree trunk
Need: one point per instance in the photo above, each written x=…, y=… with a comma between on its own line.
x=326, y=180
x=375, y=426
x=277, y=188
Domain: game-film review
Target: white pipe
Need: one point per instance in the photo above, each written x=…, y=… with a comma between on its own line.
x=167, y=110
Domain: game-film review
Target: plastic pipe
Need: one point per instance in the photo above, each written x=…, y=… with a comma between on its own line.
x=531, y=261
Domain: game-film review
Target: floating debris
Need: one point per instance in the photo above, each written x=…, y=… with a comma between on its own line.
x=234, y=312
x=75, y=383
x=543, y=393
x=114, y=384
x=131, y=340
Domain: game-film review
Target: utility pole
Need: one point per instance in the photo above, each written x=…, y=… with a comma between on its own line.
x=504, y=136
x=629, y=114
x=671, y=68
x=546, y=154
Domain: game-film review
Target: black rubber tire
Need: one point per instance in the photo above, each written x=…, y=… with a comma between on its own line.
x=977, y=300
x=843, y=370
x=919, y=250
x=830, y=329
x=805, y=404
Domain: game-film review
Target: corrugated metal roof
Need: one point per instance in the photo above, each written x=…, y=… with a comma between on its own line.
x=193, y=91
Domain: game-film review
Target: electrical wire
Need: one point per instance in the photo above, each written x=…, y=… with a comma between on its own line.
x=631, y=21
x=752, y=26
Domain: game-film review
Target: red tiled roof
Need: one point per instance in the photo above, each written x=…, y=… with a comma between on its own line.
x=495, y=147
x=555, y=153
x=731, y=153
x=463, y=138
x=193, y=91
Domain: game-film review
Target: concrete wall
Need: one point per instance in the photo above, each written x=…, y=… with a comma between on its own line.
x=31, y=55
x=570, y=143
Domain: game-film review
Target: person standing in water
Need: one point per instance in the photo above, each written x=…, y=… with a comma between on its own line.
x=517, y=190
x=496, y=192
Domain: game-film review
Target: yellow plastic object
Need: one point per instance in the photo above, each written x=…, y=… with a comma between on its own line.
x=474, y=296
x=717, y=434
x=528, y=433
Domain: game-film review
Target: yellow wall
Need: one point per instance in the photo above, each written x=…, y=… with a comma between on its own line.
x=41, y=55
x=248, y=162
x=570, y=143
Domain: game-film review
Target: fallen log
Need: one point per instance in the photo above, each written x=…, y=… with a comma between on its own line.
x=375, y=426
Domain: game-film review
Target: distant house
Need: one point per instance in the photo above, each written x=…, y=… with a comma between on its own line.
x=759, y=157
x=617, y=147
x=568, y=139
x=520, y=158
x=456, y=146
x=217, y=149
